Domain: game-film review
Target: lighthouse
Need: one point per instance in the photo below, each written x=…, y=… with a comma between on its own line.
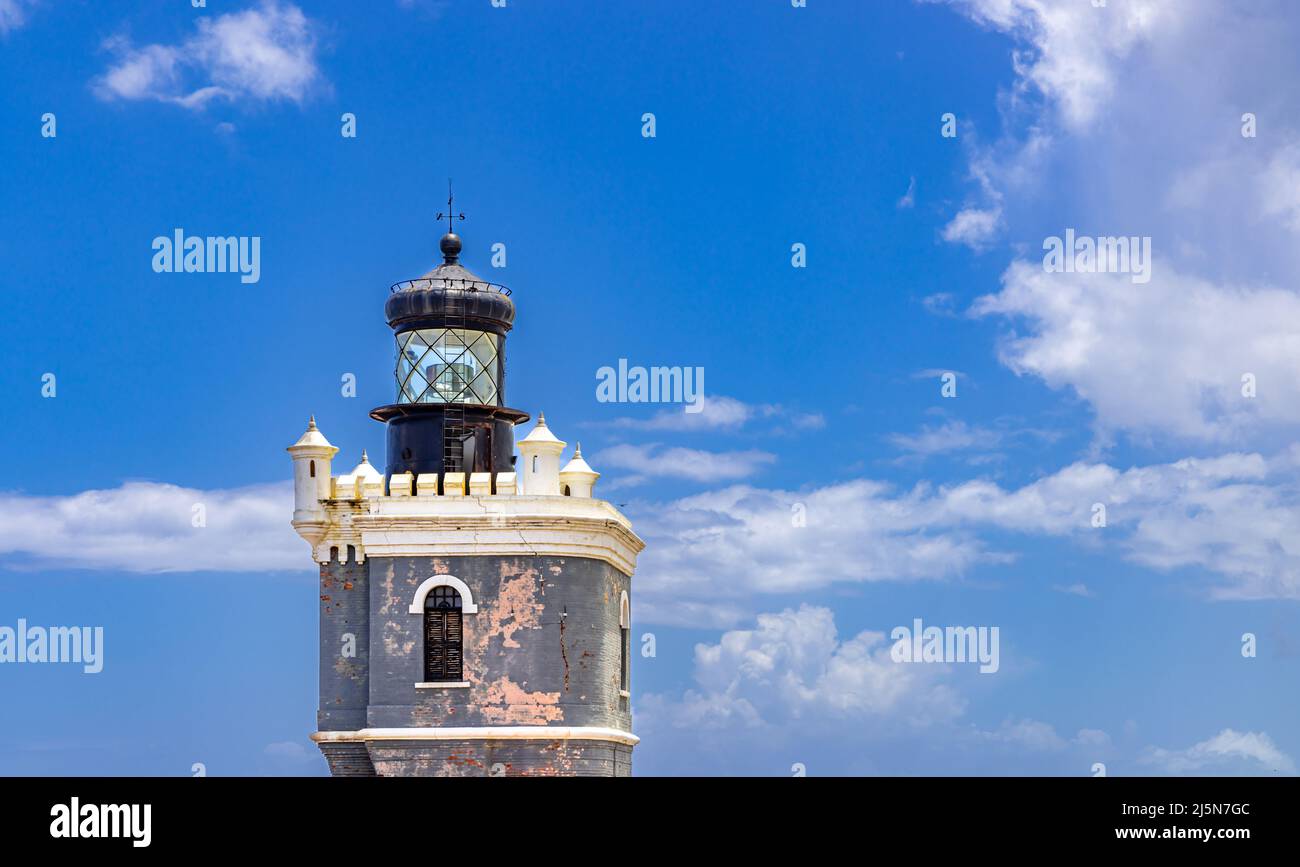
x=475, y=598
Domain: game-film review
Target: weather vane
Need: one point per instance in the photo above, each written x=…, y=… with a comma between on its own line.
x=451, y=215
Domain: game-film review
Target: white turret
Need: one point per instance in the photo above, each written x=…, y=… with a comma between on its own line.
x=363, y=481
x=577, y=478
x=539, y=453
x=312, y=454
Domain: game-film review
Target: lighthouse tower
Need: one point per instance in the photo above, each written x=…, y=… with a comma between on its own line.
x=474, y=603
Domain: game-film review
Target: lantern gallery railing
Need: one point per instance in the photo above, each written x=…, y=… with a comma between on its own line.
x=448, y=283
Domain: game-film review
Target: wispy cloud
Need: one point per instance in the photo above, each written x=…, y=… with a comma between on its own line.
x=652, y=461
x=1228, y=752
x=1232, y=516
x=264, y=54
x=909, y=198
x=13, y=14
x=947, y=437
x=1074, y=590
x=721, y=412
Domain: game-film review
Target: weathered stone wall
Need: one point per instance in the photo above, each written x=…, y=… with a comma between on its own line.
x=344, y=611
x=348, y=760
x=543, y=648
x=501, y=758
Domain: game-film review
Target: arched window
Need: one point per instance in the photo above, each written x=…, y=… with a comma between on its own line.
x=567, y=493
x=443, y=635
x=624, y=640
x=313, y=469
x=534, y=463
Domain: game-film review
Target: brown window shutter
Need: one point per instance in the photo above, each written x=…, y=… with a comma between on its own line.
x=452, y=669
x=435, y=644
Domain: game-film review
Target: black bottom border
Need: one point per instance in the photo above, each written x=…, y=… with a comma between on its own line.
x=374, y=816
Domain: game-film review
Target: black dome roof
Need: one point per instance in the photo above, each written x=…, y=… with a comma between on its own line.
x=450, y=290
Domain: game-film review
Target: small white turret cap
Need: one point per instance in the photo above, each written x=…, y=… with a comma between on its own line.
x=365, y=470
x=540, y=450
x=577, y=476
x=540, y=438
x=312, y=441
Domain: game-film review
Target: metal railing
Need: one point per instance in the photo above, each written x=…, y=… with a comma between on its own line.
x=449, y=283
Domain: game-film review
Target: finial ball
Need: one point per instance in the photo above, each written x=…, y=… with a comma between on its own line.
x=450, y=245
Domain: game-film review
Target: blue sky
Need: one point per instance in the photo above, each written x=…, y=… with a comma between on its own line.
x=774, y=126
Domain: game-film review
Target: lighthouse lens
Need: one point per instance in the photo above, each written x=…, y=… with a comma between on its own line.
x=447, y=365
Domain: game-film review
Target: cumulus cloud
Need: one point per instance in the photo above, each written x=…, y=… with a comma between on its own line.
x=1163, y=359
x=149, y=527
x=789, y=689
x=1228, y=752
x=264, y=54
x=1168, y=356
x=793, y=666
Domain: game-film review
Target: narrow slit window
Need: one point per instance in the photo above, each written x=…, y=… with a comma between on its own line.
x=622, y=658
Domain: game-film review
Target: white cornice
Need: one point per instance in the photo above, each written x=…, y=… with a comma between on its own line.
x=498, y=526
x=475, y=733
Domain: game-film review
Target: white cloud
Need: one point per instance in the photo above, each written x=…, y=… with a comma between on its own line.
x=712, y=555
x=263, y=54
x=720, y=412
x=909, y=198
x=1077, y=589
x=728, y=545
x=1163, y=357
x=1093, y=738
x=13, y=14
x=950, y=436
x=793, y=667
x=1227, y=752
x=1233, y=516
x=974, y=227
x=651, y=461
x=1026, y=733
x=1071, y=48
x=148, y=527
x=291, y=752
x=790, y=690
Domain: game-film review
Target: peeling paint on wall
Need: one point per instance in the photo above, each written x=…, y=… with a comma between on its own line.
x=507, y=703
